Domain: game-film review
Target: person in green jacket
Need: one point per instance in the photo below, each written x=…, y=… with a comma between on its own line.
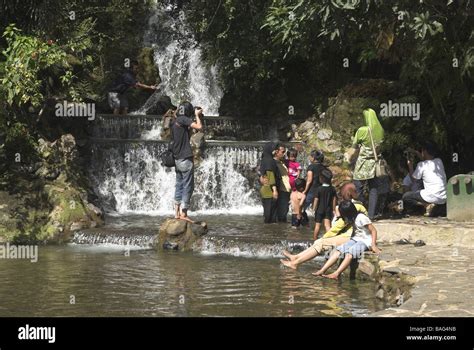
x=364, y=171
x=269, y=178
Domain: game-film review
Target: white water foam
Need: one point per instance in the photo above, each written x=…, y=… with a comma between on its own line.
x=129, y=179
x=178, y=56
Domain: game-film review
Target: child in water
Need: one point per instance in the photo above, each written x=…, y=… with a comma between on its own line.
x=297, y=198
x=294, y=168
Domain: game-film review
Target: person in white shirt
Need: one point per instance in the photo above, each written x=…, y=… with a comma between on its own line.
x=364, y=237
x=431, y=171
x=410, y=185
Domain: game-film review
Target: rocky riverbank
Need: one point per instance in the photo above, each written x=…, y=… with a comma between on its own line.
x=50, y=198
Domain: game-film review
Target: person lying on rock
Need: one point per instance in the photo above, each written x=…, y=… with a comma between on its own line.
x=339, y=233
x=364, y=237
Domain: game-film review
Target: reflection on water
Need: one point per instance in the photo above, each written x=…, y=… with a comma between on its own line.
x=104, y=281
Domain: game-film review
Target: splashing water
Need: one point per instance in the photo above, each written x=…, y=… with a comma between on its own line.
x=128, y=178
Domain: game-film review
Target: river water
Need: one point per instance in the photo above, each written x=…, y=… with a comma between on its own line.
x=113, y=279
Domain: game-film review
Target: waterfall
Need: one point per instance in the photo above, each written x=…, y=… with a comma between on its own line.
x=178, y=56
x=127, y=127
x=128, y=178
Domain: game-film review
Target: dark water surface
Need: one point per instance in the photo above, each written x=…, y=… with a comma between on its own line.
x=108, y=280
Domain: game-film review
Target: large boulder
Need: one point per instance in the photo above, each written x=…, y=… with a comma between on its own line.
x=179, y=235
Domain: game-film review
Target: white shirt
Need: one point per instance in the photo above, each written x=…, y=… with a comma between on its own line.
x=412, y=185
x=362, y=233
x=434, y=180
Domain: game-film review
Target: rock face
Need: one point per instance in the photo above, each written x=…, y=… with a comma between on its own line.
x=393, y=286
x=179, y=235
x=50, y=202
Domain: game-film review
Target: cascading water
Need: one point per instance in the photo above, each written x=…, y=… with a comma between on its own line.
x=128, y=178
x=126, y=171
x=184, y=76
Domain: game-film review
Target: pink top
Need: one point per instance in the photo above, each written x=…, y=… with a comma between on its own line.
x=293, y=168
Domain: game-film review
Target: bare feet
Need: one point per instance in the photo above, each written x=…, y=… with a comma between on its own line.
x=186, y=218
x=318, y=273
x=177, y=211
x=288, y=263
x=333, y=276
x=288, y=255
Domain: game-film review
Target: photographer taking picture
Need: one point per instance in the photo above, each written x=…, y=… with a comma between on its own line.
x=181, y=133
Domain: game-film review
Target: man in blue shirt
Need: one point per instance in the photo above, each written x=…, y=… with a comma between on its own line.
x=116, y=97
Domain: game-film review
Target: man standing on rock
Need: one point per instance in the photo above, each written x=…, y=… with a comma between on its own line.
x=183, y=154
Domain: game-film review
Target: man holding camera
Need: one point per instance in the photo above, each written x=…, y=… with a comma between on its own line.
x=431, y=171
x=181, y=133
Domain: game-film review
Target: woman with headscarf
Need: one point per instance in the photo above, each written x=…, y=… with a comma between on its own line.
x=364, y=171
x=269, y=178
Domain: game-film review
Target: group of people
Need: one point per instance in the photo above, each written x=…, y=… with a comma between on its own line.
x=282, y=183
x=345, y=216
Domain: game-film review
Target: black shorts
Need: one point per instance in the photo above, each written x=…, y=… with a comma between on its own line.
x=299, y=222
x=319, y=217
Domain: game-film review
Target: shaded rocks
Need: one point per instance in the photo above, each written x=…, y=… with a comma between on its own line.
x=324, y=134
x=197, y=141
x=392, y=285
x=180, y=235
x=52, y=201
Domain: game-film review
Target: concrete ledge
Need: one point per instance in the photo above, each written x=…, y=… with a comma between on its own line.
x=433, y=231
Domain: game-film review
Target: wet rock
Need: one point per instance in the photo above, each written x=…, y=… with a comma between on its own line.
x=179, y=234
x=197, y=140
x=175, y=227
x=94, y=209
x=76, y=226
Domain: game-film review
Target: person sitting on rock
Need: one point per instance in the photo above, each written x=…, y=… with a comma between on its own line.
x=431, y=171
x=364, y=237
x=339, y=233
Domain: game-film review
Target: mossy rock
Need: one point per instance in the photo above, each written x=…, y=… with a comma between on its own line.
x=179, y=235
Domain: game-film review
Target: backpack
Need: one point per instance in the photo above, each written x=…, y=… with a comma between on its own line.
x=167, y=157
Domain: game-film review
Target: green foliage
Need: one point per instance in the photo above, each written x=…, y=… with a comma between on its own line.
x=294, y=48
x=19, y=144
x=26, y=58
